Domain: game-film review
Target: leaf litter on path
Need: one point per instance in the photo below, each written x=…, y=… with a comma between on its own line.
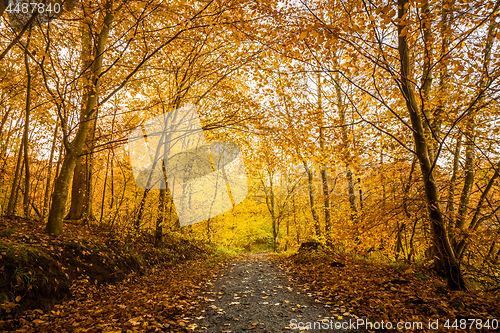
x=254, y=294
x=250, y=294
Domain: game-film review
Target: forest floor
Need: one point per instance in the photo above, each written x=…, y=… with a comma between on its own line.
x=250, y=293
x=83, y=282
x=95, y=280
x=402, y=293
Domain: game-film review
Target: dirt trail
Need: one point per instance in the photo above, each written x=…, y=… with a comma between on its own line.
x=254, y=294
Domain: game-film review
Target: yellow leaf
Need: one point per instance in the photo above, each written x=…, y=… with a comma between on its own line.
x=303, y=35
x=18, y=298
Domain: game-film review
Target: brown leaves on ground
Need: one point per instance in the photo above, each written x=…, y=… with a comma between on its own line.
x=386, y=292
x=156, y=292
x=161, y=301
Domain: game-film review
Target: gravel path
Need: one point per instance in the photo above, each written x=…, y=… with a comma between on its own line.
x=254, y=294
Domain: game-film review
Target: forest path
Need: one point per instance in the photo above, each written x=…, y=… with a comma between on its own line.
x=251, y=293
x=255, y=294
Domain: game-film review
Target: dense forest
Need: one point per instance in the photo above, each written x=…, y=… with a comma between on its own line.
x=367, y=127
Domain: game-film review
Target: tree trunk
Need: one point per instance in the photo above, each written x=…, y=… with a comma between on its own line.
x=137, y=223
x=3, y=6
x=11, y=206
x=101, y=215
x=49, y=174
x=81, y=191
x=427, y=76
x=453, y=181
x=323, y=169
x=160, y=218
x=310, y=181
x=443, y=87
x=440, y=236
x=74, y=149
x=273, y=212
x=346, y=142
x=469, y=174
x=271, y=207
x=26, y=198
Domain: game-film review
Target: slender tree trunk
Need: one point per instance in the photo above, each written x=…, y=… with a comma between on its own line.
x=287, y=234
x=142, y=204
x=62, y=183
x=273, y=212
x=444, y=76
x=107, y=168
x=310, y=187
x=270, y=203
x=440, y=236
x=209, y=231
x=427, y=76
x=160, y=218
x=297, y=230
x=26, y=205
x=469, y=173
x=411, y=252
x=104, y=188
x=11, y=206
x=49, y=173
x=323, y=169
x=346, y=142
x=3, y=6
x=382, y=179
x=399, y=239
x=453, y=181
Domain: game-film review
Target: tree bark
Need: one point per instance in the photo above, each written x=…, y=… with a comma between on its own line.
x=453, y=181
x=81, y=208
x=310, y=187
x=444, y=76
x=347, y=153
x=137, y=222
x=440, y=236
x=81, y=190
x=3, y=6
x=74, y=149
x=160, y=218
x=49, y=174
x=270, y=203
x=26, y=198
x=469, y=173
x=11, y=205
x=323, y=169
x=427, y=75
